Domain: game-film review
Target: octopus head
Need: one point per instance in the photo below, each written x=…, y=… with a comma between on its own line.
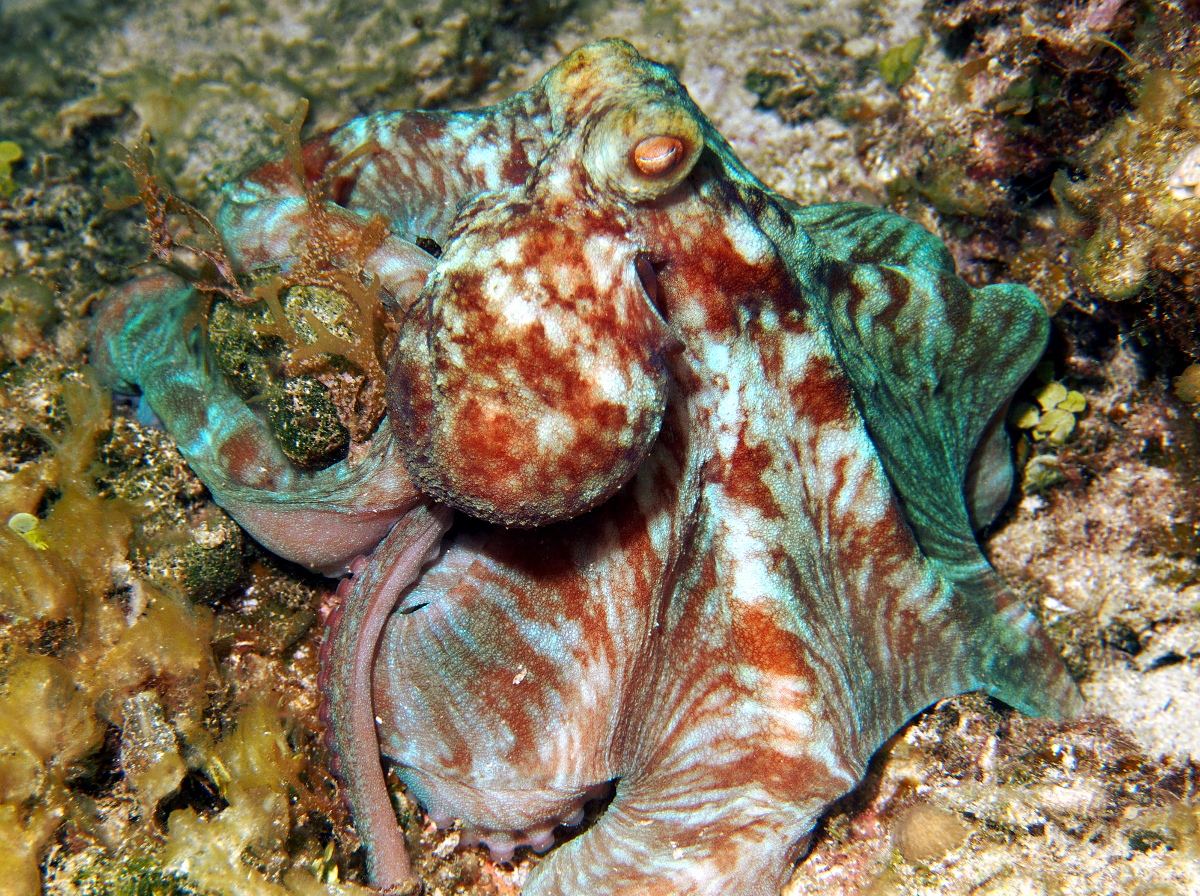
x=531, y=379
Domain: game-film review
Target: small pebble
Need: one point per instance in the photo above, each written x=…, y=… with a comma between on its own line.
x=1185, y=182
x=925, y=834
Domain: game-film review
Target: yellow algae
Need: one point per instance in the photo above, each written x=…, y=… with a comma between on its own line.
x=26, y=525
x=1187, y=387
x=82, y=536
x=1074, y=402
x=21, y=841
x=170, y=638
x=139, y=659
x=46, y=724
x=1051, y=395
x=27, y=309
x=57, y=575
x=1054, y=416
x=1056, y=425
x=259, y=775
x=1025, y=415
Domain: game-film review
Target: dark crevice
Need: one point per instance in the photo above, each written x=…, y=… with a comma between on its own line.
x=103, y=767
x=198, y=792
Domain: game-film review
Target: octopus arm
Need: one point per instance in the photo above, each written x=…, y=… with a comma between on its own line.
x=347, y=661
x=416, y=169
x=863, y=234
x=147, y=339
x=933, y=364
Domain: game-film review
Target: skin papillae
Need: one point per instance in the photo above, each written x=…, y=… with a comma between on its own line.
x=725, y=455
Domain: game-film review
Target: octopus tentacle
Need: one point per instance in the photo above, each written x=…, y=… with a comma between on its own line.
x=278, y=232
x=368, y=600
x=414, y=168
x=932, y=360
x=539, y=836
x=146, y=338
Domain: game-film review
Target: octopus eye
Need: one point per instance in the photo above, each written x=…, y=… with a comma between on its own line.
x=658, y=155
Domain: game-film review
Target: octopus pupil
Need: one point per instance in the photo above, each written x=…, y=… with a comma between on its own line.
x=430, y=246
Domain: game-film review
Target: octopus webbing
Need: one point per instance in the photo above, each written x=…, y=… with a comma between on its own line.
x=675, y=495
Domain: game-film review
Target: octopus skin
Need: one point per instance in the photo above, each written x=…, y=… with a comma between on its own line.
x=676, y=493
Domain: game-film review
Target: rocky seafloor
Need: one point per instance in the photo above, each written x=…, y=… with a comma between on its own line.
x=158, y=707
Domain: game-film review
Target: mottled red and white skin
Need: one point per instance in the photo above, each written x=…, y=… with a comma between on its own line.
x=714, y=461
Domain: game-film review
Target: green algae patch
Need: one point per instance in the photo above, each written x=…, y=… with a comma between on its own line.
x=9, y=153
x=96, y=873
x=27, y=526
x=898, y=64
x=1047, y=416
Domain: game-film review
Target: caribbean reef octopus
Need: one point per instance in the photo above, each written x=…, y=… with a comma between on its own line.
x=675, y=494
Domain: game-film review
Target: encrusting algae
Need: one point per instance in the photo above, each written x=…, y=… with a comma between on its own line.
x=1130, y=202
x=108, y=678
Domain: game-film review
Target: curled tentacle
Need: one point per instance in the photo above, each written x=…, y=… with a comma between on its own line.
x=147, y=338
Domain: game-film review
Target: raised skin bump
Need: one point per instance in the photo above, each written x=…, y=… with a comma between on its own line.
x=778, y=567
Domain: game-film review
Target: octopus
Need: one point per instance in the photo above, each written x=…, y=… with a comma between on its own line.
x=675, y=498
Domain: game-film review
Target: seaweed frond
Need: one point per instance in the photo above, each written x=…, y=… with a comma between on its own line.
x=334, y=256
x=335, y=242
x=177, y=229
x=358, y=398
